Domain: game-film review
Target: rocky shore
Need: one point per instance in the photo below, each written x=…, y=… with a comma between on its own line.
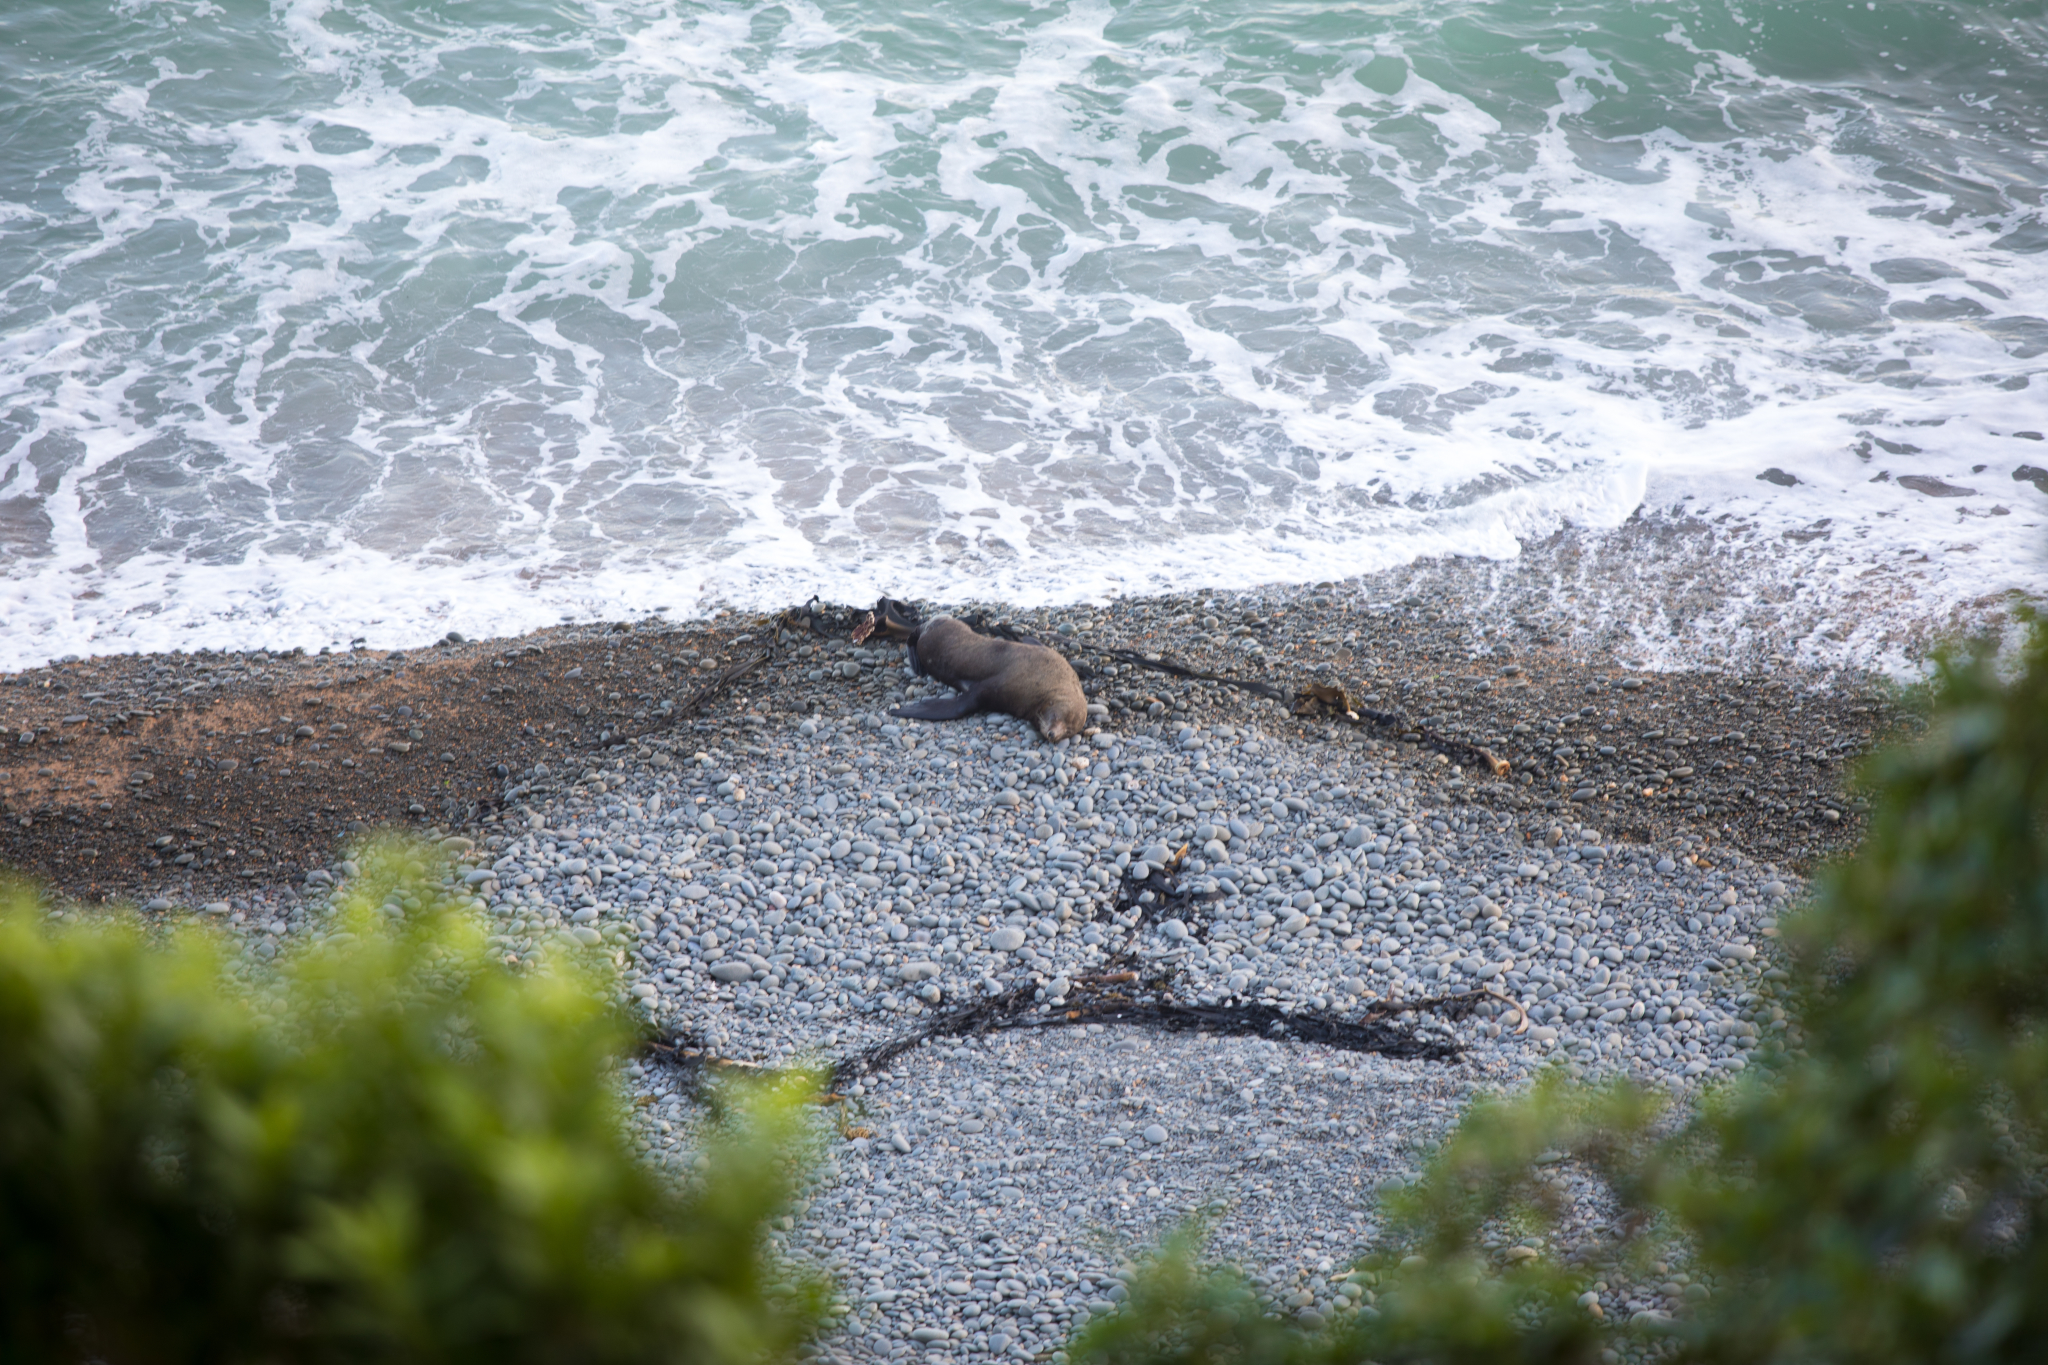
x=783, y=873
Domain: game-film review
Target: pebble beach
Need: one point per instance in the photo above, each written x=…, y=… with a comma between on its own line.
x=780, y=873
x=998, y=1182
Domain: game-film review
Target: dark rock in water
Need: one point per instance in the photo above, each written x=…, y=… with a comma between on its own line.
x=2026, y=473
x=1778, y=477
x=1933, y=487
x=1914, y=270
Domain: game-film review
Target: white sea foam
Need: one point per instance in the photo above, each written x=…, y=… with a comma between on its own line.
x=483, y=326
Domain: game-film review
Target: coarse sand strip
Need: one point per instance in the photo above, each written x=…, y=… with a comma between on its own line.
x=200, y=773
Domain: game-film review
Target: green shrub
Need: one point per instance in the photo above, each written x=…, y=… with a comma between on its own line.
x=1876, y=1195
x=381, y=1148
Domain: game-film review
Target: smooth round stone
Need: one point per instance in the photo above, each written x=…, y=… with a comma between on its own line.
x=1007, y=939
x=730, y=972
x=1155, y=1134
x=586, y=936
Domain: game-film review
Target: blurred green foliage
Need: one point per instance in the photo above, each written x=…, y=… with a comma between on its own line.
x=387, y=1147
x=1878, y=1194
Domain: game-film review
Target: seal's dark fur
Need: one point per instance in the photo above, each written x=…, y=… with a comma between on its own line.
x=1029, y=681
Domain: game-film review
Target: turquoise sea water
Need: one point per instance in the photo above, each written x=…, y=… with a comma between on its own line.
x=323, y=319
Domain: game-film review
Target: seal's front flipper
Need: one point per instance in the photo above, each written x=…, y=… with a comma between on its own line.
x=942, y=708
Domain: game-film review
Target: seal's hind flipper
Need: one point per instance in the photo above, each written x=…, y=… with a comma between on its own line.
x=942, y=708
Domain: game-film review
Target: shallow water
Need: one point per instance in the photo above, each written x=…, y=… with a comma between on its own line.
x=325, y=320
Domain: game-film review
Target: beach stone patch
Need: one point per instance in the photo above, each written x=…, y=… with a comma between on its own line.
x=829, y=884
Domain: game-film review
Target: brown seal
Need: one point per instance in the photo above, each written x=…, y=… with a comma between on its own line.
x=1028, y=681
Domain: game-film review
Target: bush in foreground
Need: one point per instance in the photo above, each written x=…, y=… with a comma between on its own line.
x=1878, y=1196
x=390, y=1148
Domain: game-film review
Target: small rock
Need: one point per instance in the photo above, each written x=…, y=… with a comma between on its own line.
x=1007, y=939
x=729, y=972
x=1155, y=1134
x=1932, y=487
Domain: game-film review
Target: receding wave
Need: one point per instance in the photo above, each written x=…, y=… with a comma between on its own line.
x=321, y=322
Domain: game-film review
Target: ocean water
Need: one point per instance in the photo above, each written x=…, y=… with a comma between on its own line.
x=325, y=320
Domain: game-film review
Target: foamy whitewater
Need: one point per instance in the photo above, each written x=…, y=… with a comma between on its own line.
x=323, y=320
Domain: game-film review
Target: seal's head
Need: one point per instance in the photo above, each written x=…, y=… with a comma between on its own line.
x=1062, y=718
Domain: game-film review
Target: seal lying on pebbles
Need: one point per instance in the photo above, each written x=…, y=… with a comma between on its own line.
x=1029, y=681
